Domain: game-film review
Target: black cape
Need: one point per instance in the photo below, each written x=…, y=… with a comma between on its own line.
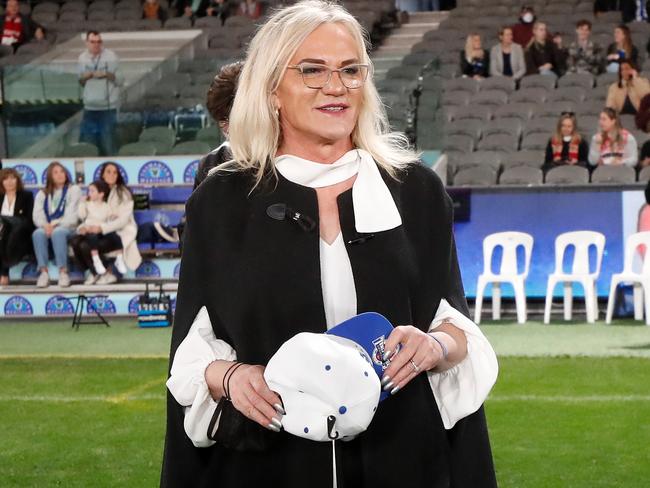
x=260, y=281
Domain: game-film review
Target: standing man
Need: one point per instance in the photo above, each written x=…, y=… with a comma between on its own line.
x=98, y=75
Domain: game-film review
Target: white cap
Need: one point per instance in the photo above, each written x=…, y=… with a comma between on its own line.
x=327, y=384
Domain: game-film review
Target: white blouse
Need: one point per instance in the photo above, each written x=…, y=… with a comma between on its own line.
x=8, y=208
x=337, y=281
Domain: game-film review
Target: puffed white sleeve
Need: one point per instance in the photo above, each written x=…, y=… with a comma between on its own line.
x=187, y=378
x=461, y=390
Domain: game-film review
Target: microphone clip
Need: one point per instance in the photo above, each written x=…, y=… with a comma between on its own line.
x=280, y=211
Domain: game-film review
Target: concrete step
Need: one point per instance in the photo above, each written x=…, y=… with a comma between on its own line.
x=413, y=29
x=392, y=51
x=386, y=64
x=402, y=40
x=427, y=17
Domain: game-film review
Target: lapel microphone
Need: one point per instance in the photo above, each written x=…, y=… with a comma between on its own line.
x=280, y=211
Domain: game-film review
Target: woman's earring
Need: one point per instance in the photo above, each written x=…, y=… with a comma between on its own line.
x=277, y=113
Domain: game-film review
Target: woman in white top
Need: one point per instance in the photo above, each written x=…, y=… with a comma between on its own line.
x=612, y=144
x=322, y=214
x=507, y=57
x=55, y=218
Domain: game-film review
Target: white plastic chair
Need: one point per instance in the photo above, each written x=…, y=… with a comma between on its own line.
x=508, y=272
x=641, y=280
x=580, y=272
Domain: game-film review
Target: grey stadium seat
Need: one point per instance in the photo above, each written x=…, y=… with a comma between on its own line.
x=628, y=121
x=534, y=142
x=413, y=59
x=644, y=174
x=582, y=80
x=533, y=159
x=491, y=159
x=568, y=175
x=470, y=128
x=554, y=109
x=521, y=111
x=613, y=174
x=137, y=149
x=178, y=23
x=480, y=112
x=459, y=143
x=540, y=126
x=459, y=99
x=161, y=137
x=590, y=108
x=606, y=79
x=529, y=95
x=588, y=125
x=476, y=176
x=191, y=147
x=510, y=126
x=522, y=175
x=80, y=149
x=495, y=98
x=574, y=94
x=499, y=142
x=501, y=83
x=540, y=81
x=468, y=85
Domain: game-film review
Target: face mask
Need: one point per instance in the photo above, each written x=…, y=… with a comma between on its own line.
x=527, y=18
x=567, y=138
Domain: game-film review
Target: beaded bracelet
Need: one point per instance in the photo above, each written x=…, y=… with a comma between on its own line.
x=445, y=351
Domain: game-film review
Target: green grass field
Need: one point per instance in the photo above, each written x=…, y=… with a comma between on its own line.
x=86, y=409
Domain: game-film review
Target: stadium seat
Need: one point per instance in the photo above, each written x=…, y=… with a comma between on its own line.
x=541, y=126
x=470, y=128
x=522, y=111
x=546, y=82
x=581, y=272
x=459, y=143
x=568, y=175
x=628, y=121
x=521, y=175
x=533, y=159
x=501, y=83
x=80, y=149
x=637, y=243
x=211, y=135
x=178, y=23
x=620, y=174
x=509, y=126
x=137, y=149
x=529, y=95
x=481, y=158
x=459, y=98
x=476, y=176
x=508, y=272
x=582, y=80
x=468, y=85
x=499, y=142
x=191, y=147
x=482, y=112
x=644, y=174
x=606, y=79
x=494, y=98
x=571, y=94
x=535, y=142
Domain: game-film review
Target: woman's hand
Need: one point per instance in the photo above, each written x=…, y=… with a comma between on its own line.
x=419, y=352
x=82, y=230
x=249, y=392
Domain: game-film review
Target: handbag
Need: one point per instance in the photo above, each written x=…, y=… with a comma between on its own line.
x=154, y=311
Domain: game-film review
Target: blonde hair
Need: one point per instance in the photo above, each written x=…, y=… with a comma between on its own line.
x=255, y=132
x=470, y=52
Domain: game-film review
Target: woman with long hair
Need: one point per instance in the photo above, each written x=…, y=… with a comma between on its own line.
x=625, y=95
x=474, y=60
x=285, y=238
x=612, y=145
x=507, y=57
x=566, y=145
x=55, y=218
x=541, y=57
x=621, y=49
x=16, y=226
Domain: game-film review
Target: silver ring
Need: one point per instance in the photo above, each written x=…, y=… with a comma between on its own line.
x=416, y=368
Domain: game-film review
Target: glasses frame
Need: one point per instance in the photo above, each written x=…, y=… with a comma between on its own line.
x=331, y=71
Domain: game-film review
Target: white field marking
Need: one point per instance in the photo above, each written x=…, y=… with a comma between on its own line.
x=570, y=398
x=83, y=356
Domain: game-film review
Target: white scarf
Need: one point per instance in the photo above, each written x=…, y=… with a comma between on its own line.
x=374, y=207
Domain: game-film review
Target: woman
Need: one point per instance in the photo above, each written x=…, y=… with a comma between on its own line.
x=474, y=60
x=507, y=57
x=121, y=223
x=55, y=218
x=566, y=146
x=152, y=10
x=625, y=96
x=16, y=227
x=320, y=175
x=621, y=49
x=540, y=53
x=251, y=9
x=613, y=144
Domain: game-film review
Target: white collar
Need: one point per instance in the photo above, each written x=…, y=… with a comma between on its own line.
x=374, y=207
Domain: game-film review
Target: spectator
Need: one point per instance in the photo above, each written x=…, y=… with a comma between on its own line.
x=219, y=8
x=522, y=32
x=16, y=227
x=561, y=54
x=644, y=158
x=625, y=95
x=540, y=54
x=566, y=146
x=190, y=8
x=89, y=244
x=585, y=56
x=17, y=28
x=55, y=217
x=474, y=60
x=633, y=10
x=507, y=57
x=152, y=10
x=612, y=145
x=621, y=49
x=98, y=74
x=251, y=9
x=642, y=118
x=121, y=222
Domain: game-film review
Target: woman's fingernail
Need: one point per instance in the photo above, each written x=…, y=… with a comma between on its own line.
x=385, y=380
x=388, y=386
x=277, y=423
x=273, y=428
x=279, y=409
x=394, y=390
x=387, y=354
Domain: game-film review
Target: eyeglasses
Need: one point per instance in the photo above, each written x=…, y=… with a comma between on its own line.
x=95, y=42
x=317, y=76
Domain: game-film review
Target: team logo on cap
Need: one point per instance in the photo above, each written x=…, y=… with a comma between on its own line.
x=27, y=174
x=190, y=171
x=155, y=172
x=378, y=352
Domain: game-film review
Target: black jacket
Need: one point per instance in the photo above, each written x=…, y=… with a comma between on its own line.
x=480, y=67
x=539, y=54
x=211, y=160
x=260, y=281
x=23, y=207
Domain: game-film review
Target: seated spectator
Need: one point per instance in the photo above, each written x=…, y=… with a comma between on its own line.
x=152, y=10
x=522, y=32
x=219, y=8
x=625, y=95
x=621, y=49
x=474, y=60
x=644, y=158
x=507, y=57
x=121, y=222
x=566, y=146
x=89, y=243
x=17, y=28
x=561, y=54
x=612, y=144
x=540, y=53
x=585, y=56
x=251, y=9
x=190, y=8
x=16, y=227
x=55, y=218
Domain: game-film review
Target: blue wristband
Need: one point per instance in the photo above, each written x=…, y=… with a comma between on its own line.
x=445, y=352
